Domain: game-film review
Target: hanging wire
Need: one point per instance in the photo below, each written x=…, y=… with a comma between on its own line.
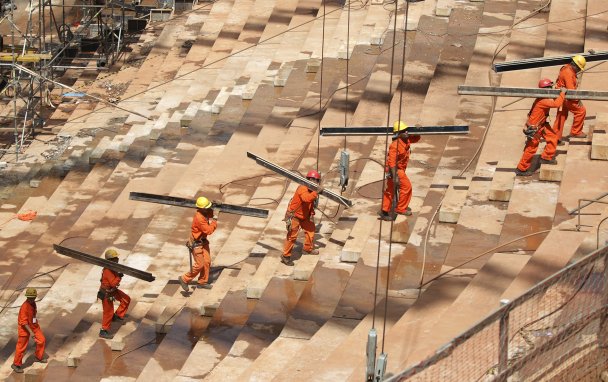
x=347, y=71
x=321, y=86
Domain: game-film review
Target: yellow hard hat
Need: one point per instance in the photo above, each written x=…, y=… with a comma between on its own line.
x=203, y=202
x=399, y=126
x=579, y=61
x=110, y=254
x=31, y=292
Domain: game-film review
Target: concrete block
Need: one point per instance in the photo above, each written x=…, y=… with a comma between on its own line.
x=220, y=101
x=249, y=91
x=502, y=182
x=313, y=65
x=357, y=239
x=401, y=229
x=554, y=172
x=304, y=267
x=3, y=165
x=165, y=321
x=343, y=54
x=443, y=8
x=454, y=199
x=73, y=360
x=377, y=37
x=126, y=142
x=35, y=372
x=154, y=134
x=283, y=75
x=35, y=183
x=117, y=345
x=262, y=276
x=599, y=142
x=98, y=151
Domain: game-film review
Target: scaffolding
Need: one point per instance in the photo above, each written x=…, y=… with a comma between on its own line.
x=49, y=38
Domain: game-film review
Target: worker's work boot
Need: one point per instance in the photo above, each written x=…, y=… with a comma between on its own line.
x=518, y=172
x=204, y=286
x=581, y=135
x=287, y=261
x=17, y=368
x=386, y=216
x=312, y=252
x=43, y=360
x=104, y=334
x=407, y=212
x=548, y=161
x=182, y=283
x=115, y=317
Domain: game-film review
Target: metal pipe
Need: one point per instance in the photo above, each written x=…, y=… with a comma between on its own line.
x=546, y=61
x=530, y=92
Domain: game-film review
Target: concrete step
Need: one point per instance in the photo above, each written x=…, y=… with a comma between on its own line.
x=502, y=182
x=599, y=143
x=454, y=199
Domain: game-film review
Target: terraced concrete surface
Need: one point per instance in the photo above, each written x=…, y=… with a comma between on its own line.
x=252, y=80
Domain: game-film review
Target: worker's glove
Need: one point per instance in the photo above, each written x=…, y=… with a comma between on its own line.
x=320, y=189
x=580, y=103
x=121, y=275
x=110, y=298
x=387, y=175
x=529, y=132
x=563, y=90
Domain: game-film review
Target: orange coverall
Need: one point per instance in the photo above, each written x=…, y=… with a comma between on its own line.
x=537, y=118
x=399, y=155
x=202, y=226
x=302, y=207
x=567, y=79
x=27, y=317
x=109, y=283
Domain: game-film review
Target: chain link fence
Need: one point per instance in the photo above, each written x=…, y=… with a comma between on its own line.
x=557, y=331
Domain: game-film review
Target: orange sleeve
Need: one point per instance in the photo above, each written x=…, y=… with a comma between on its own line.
x=570, y=79
x=306, y=195
x=555, y=103
x=23, y=319
x=391, y=161
x=204, y=225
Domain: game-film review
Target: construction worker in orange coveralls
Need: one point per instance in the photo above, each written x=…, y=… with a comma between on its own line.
x=203, y=225
x=538, y=127
x=299, y=215
x=567, y=79
x=27, y=324
x=108, y=292
x=396, y=163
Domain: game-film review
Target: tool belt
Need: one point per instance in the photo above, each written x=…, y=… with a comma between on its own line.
x=103, y=294
x=191, y=244
x=288, y=216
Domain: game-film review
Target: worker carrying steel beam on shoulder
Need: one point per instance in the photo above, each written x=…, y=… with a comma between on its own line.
x=203, y=225
x=299, y=214
x=27, y=324
x=567, y=78
x=537, y=127
x=108, y=293
x=396, y=163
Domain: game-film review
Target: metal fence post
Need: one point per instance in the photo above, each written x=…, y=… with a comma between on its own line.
x=503, y=342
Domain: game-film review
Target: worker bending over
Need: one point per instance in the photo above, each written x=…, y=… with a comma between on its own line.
x=567, y=78
x=537, y=127
x=108, y=293
x=396, y=163
x=27, y=324
x=203, y=225
x=299, y=214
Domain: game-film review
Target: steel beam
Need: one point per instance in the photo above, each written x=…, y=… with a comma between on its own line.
x=530, y=93
x=299, y=179
x=542, y=62
x=103, y=263
x=383, y=130
x=191, y=203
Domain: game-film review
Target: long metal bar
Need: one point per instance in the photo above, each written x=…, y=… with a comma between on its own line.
x=299, y=179
x=542, y=62
x=383, y=130
x=530, y=92
x=191, y=203
x=103, y=263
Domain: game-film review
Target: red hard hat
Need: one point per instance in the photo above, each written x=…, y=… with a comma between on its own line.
x=313, y=174
x=545, y=83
